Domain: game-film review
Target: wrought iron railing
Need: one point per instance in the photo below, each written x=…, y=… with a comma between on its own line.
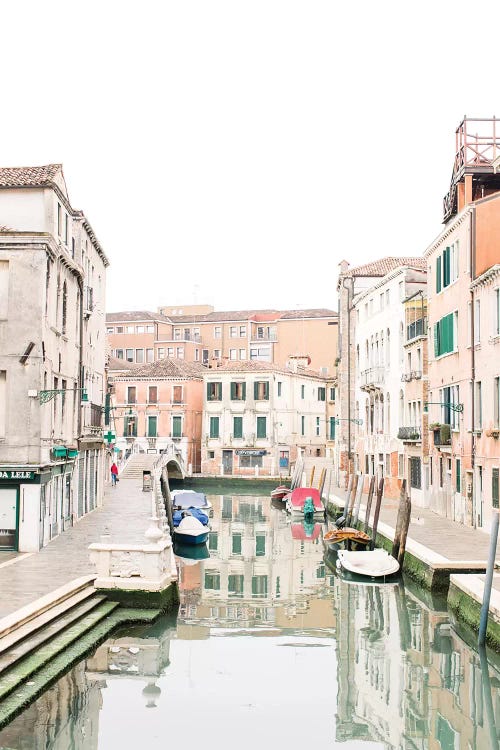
x=417, y=328
x=410, y=433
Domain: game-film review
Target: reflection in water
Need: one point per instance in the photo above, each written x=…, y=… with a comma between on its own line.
x=265, y=632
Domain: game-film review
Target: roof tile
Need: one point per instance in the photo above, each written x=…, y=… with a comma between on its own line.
x=28, y=176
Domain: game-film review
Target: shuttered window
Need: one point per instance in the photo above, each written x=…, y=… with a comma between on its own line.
x=214, y=391
x=238, y=391
x=444, y=336
x=494, y=487
x=152, y=426
x=261, y=427
x=176, y=427
x=446, y=267
x=238, y=427
x=236, y=538
x=260, y=545
x=214, y=427
x=331, y=435
x=261, y=390
x=438, y=274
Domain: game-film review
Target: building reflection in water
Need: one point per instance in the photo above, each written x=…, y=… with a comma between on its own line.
x=405, y=679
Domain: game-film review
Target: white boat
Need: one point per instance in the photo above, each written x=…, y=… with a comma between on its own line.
x=190, y=530
x=371, y=564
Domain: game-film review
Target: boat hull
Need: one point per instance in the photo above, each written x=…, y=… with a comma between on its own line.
x=376, y=564
x=191, y=538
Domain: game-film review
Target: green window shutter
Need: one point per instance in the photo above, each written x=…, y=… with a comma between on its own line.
x=219, y=391
x=266, y=391
x=236, y=544
x=256, y=390
x=438, y=274
x=208, y=391
x=176, y=426
x=152, y=422
x=446, y=267
x=244, y=391
x=494, y=487
x=238, y=427
x=332, y=428
x=213, y=540
x=125, y=427
x=436, y=340
x=261, y=427
x=260, y=545
x=457, y=478
x=214, y=427
x=233, y=391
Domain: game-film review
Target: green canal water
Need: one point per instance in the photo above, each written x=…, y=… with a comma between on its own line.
x=270, y=648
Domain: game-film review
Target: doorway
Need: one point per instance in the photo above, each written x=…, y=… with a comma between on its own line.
x=227, y=462
x=9, y=514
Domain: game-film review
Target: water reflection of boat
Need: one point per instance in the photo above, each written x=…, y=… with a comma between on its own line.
x=375, y=564
x=279, y=492
x=305, y=531
x=190, y=554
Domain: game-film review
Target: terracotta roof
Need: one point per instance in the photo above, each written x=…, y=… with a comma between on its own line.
x=115, y=364
x=314, y=313
x=169, y=368
x=135, y=316
x=254, y=366
x=257, y=316
x=385, y=265
x=28, y=176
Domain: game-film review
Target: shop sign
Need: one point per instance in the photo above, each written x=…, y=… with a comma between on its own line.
x=17, y=475
x=250, y=453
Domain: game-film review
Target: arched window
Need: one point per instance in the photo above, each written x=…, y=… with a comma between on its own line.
x=401, y=341
x=388, y=407
x=382, y=352
x=401, y=409
x=388, y=347
x=381, y=417
x=64, y=307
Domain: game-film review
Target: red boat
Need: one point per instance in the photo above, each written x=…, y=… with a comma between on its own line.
x=296, y=498
x=279, y=492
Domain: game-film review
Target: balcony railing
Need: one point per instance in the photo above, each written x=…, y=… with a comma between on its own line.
x=442, y=435
x=95, y=415
x=417, y=328
x=413, y=375
x=372, y=378
x=264, y=337
x=410, y=434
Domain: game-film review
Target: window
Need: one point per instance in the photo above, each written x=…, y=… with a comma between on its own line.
x=261, y=427
x=496, y=402
x=457, y=475
x=212, y=581
x=170, y=351
x=119, y=353
x=139, y=329
x=238, y=427
x=238, y=391
x=187, y=334
x=243, y=353
x=494, y=487
x=161, y=352
x=176, y=426
x=235, y=583
x=214, y=427
x=250, y=462
x=302, y=425
x=152, y=426
x=177, y=334
x=180, y=352
x=139, y=355
x=213, y=540
x=233, y=354
x=131, y=394
x=317, y=426
x=129, y=355
x=279, y=387
x=130, y=329
x=217, y=332
x=382, y=301
x=477, y=322
x=119, y=329
x=321, y=394
x=216, y=353
x=153, y=394
x=496, y=315
x=233, y=331
x=150, y=357
x=332, y=423
x=108, y=329
x=236, y=544
x=261, y=390
x=64, y=307
x=388, y=464
x=214, y=391
x=259, y=586
x=59, y=220
x=177, y=394
x=260, y=545
x=445, y=335
x=150, y=329
x=211, y=454
x=478, y=413
x=401, y=290
x=243, y=331
x=302, y=391
x=130, y=426
x=332, y=394
x=416, y=473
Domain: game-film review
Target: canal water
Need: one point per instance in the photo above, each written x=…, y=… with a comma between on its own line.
x=269, y=647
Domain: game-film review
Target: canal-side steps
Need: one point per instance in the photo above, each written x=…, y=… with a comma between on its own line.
x=40, y=641
x=137, y=464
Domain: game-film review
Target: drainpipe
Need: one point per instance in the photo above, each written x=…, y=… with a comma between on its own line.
x=80, y=358
x=472, y=264
x=349, y=291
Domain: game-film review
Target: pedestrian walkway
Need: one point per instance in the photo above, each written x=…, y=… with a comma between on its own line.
x=438, y=541
x=124, y=515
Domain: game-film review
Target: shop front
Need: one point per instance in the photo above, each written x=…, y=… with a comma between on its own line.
x=11, y=481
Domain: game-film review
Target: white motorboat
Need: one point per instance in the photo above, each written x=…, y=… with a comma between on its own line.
x=183, y=499
x=370, y=564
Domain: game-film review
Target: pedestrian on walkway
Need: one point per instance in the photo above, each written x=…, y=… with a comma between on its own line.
x=114, y=473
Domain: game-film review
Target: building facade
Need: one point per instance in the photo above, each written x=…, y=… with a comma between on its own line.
x=52, y=341
x=259, y=418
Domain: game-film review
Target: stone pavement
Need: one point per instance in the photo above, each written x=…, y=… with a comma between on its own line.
x=124, y=515
x=444, y=540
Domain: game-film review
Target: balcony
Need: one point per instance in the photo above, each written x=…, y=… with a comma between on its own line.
x=410, y=434
x=416, y=329
x=413, y=375
x=442, y=435
x=372, y=378
x=256, y=337
x=95, y=415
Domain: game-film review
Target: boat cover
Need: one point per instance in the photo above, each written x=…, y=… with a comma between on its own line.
x=190, y=526
x=189, y=499
x=298, y=497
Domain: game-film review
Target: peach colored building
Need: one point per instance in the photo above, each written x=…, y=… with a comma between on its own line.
x=464, y=329
x=261, y=335
x=157, y=406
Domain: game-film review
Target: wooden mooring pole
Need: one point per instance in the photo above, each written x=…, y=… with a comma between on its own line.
x=402, y=524
x=371, y=490
x=380, y=492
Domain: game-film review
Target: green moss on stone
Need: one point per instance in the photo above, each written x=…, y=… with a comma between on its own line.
x=468, y=610
x=157, y=600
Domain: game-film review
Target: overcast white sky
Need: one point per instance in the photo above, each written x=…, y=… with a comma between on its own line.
x=234, y=152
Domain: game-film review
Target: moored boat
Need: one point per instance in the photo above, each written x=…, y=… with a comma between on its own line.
x=297, y=498
x=190, y=530
x=279, y=493
x=201, y=515
x=183, y=499
x=374, y=564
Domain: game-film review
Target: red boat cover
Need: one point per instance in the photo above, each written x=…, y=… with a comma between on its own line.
x=299, y=495
x=299, y=532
